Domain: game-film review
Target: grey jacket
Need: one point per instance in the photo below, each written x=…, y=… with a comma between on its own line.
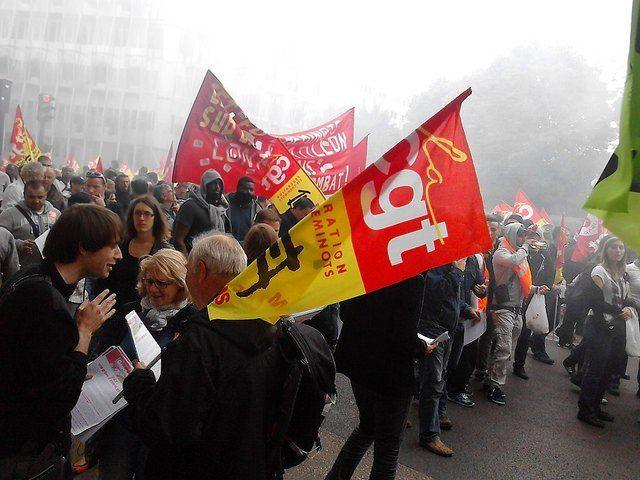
x=8, y=255
x=14, y=221
x=504, y=262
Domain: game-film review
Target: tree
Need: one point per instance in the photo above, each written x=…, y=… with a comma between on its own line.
x=539, y=119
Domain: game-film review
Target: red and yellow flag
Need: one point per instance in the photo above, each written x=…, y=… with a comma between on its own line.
x=416, y=208
x=23, y=147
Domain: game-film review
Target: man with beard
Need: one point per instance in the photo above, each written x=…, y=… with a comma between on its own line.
x=243, y=206
x=203, y=211
x=123, y=192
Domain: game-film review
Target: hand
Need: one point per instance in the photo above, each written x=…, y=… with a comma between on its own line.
x=175, y=207
x=476, y=316
x=28, y=246
x=480, y=290
x=138, y=365
x=627, y=313
x=430, y=348
x=91, y=315
x=460, y=264
x=543, y=289
x=555, y=288
x=98, y=201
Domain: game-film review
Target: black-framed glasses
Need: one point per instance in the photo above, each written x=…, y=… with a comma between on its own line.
x=144, y=214
x=157, y=283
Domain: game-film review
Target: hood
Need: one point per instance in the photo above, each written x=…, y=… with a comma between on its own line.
x=511, y=233
x=209, y=176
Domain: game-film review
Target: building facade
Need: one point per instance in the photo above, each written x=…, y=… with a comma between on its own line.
x=123, y=76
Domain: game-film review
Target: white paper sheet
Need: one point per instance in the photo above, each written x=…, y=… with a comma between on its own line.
x=473, y=331
x=145, y=344
x=41, y=240
x=443, y=337
x=96, y=398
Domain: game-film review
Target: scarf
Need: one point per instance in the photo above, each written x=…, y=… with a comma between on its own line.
x=216, y=214
x=158, y=317
x=522, y=270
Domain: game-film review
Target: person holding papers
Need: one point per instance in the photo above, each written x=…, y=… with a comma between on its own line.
x=442, y=307
x=43, y=349
x=163, y=310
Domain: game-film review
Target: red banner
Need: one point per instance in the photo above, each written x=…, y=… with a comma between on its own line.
x=23, y=147
x=525, y=207
x=167, y=166
x=96, y=164
x=590, y=233
x=334, y=172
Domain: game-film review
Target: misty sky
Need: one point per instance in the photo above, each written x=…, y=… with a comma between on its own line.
x=336, y=52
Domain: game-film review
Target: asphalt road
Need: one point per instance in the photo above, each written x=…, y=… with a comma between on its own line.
x=535, y=436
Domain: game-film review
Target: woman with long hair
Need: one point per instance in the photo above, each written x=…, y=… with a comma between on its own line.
x=146, y=232
x=608, y=298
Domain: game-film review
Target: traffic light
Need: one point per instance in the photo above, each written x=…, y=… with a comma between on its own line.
x=46, y=106
x=5, y=95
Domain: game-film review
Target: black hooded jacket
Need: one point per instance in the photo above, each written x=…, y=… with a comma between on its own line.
x=179, y=417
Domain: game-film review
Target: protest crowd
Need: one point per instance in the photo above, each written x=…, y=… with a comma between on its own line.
x=188, y=321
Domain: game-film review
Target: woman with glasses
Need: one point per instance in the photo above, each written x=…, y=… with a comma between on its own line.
x=146, y=232
x=163, y=308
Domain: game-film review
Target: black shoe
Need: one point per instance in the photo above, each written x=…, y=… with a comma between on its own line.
x=591, y=419
x=569, y=367
x=497, y=396
x=461, y=399
x=544, y=358
x=605, y=416
x=467, y=390
x=519, y=372
x=614, y=390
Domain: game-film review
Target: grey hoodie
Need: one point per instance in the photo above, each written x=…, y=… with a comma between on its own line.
x=14, y=221
x=504, y=262
x=217, y=213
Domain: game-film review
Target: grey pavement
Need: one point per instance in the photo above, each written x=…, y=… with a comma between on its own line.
x=535, y=436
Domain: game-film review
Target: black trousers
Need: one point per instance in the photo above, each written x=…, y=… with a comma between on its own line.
x=525, y=340
x=603, y=346
x=382, y=422
x=572, y=315
x=461, y=376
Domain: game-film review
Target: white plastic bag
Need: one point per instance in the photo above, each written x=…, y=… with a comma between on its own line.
x=633, y=335
x=536, y=316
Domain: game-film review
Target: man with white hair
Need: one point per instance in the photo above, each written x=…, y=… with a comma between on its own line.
x=184, y=417
x=15, y=191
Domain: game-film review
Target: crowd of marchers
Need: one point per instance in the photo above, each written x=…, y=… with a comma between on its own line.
x=117, y=244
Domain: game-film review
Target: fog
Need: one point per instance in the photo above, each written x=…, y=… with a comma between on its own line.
x=547, y=76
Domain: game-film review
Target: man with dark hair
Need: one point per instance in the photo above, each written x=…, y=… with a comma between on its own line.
x=139, y=187
x=152, y=177
x=243, y=207
x=76, y=184
x=299, y=209
x=44, y=349
x=123, y=191
x=203, y=211
x=28, y=219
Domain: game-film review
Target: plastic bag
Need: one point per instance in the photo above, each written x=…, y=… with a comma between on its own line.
x=536, y=315
x=633, y=335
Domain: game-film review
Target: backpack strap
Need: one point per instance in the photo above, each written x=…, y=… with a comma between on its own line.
x=34, y=226
x=12, y=287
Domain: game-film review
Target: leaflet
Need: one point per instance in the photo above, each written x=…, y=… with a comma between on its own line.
x=95, y=404
x=146, y=346
x=443, y=337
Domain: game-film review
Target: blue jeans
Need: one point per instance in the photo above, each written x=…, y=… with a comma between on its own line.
x=433, y=401
x=382, y=422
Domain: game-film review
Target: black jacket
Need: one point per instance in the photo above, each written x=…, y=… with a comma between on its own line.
x=40, y=373
x=179, y=417
x=443, y=304
x=379, y=342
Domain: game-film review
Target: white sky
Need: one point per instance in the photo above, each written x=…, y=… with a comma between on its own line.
x=333, y=49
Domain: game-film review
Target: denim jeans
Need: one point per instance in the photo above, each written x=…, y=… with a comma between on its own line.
x=382, y=422
x=433, y=400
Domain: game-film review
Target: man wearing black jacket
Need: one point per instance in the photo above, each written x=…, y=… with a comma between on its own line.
x=376, y=350
x=184, y=417
x=442, y=306
x=43, y=350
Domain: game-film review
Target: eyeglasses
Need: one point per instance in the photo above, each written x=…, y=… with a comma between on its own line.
x=158, y=284
x=144, y=214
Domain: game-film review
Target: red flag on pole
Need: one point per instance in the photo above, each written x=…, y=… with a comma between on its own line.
x=96, y=164
x=23, y=147
x=590, y=233
x=525, y=207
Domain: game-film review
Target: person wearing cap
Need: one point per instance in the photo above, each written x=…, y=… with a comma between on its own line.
x=76, y=184
x=513, y=283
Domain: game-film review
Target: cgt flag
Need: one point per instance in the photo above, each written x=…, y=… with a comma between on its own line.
x=219, y=135
x=23, y=147
x=616, y=196
x=417, y=207
x=525, y=207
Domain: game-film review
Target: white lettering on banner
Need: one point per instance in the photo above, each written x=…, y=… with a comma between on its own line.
x=313, y=135
x=426, y=236
x=391, y=214
x=327, y=146
x=276, y=175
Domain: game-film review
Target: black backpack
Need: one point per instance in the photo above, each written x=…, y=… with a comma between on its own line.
x=308, y=391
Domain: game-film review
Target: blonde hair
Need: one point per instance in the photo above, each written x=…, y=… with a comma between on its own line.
x=169, y=263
